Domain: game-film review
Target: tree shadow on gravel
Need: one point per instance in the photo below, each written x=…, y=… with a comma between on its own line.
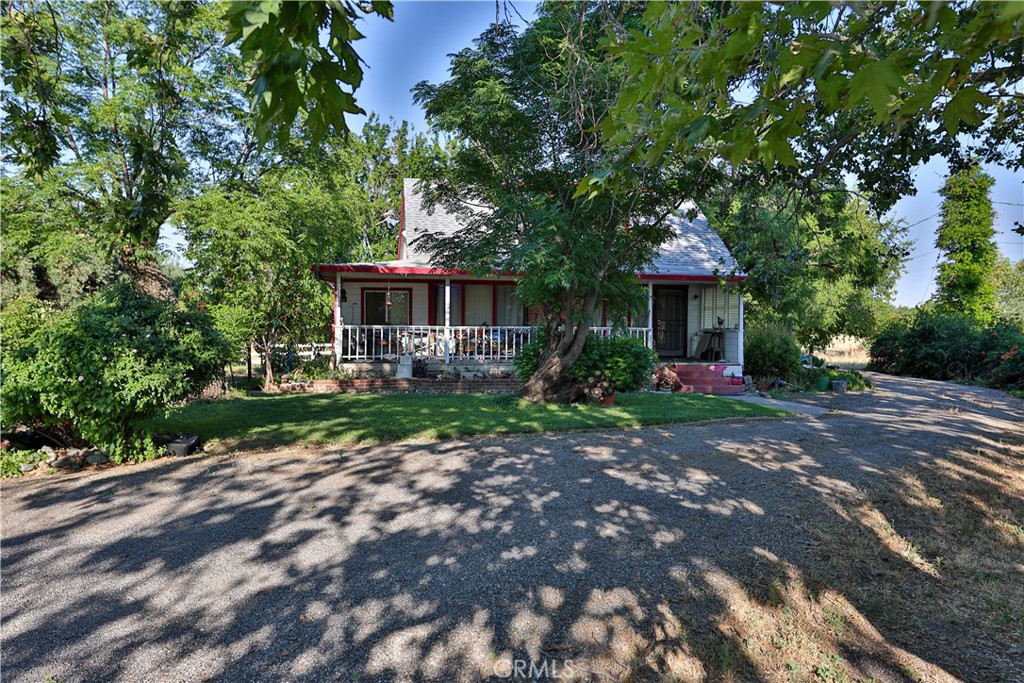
x=846, y=548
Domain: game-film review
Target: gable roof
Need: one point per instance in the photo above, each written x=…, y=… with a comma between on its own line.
x=695, y=252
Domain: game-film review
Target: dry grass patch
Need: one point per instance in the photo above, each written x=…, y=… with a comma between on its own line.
x=850, y=353
x=918, y=579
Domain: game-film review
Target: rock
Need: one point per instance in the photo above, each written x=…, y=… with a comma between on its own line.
x=27, y=467
x=97, y=458
x=48, y=450
x=64, y=463
x=183, y=445
x=74, y=452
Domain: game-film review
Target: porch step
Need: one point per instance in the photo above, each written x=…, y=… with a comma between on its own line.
x=703, y=380
x=731, y=390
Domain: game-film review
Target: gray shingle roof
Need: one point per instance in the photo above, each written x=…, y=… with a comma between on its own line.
x=696, y=249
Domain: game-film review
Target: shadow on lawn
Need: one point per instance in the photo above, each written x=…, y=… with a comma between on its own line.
x=375, y=418
x=694, y=553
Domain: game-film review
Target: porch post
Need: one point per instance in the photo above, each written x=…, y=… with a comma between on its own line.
x=336, y=337
x=740, y=351
x=447, y=318
x=650, y=315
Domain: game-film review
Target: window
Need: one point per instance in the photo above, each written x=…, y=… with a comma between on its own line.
x=376, y=310
x=456, y=310
x=720, y=303
x=509, y=307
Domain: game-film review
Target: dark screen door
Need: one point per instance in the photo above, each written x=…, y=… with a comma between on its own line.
x=670, y=322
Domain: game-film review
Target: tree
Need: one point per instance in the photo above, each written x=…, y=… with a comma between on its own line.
x=1010, y=289
x=823, y=267
x=524, y=106
x=49, y=252
x=292, y=70
x=867, y=88
x=251, y=251
x=368, y=171
x=966, y=278
x=121, y=107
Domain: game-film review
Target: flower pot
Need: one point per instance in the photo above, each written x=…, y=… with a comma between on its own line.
x=608, y=399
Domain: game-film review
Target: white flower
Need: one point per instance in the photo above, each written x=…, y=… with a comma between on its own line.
x=104, y=357
x=81, y=378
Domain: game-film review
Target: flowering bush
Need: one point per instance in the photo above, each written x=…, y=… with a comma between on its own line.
x=665, y=377
x=598, y=386
x=1009, y=372
x=93, y=373
x=625, y=361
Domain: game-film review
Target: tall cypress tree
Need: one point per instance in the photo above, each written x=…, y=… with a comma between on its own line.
x=966, y=276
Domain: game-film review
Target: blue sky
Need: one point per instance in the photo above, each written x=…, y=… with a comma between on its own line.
x=416, y=45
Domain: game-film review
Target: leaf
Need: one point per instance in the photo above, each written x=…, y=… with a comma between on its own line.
x=963, y=108
x=876, y=82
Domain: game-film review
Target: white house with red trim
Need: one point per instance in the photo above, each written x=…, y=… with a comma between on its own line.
x=409, y=307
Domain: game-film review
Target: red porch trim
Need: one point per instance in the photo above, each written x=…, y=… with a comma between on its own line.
x=447, y=272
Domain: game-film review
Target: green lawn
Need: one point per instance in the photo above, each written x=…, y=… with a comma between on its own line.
x=269, y=421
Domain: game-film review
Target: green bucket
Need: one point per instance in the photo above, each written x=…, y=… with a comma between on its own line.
x=821, y=383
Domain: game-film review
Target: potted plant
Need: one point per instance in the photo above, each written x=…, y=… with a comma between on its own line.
x=599, y=388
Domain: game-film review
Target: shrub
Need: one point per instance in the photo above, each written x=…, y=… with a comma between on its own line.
x=624, y=361
x=808, y=377
x=93, y=373
x=770, y=352
x=525, y=362
x=317, y=368
x=11, y=460
x=949, y=347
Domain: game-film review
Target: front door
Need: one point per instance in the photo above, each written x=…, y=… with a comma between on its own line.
x=670, y=321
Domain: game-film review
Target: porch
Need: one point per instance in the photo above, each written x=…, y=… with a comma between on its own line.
x=379, y=317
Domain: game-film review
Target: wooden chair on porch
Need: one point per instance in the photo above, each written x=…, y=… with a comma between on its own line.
x=711, y=345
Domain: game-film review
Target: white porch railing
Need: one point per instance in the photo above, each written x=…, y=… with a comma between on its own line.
x=478, y=343
x=642, y=333
x=380, y=342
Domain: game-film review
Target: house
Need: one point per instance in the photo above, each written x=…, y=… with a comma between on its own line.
x=410, y=307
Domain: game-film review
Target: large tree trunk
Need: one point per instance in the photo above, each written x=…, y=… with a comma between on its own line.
x=553, y=381
x=146, y=274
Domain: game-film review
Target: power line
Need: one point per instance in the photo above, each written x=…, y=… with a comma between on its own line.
x=927, y=218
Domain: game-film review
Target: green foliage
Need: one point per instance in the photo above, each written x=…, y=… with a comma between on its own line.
x=292, y=68
x=120, y=107
x=526, y=361
x=318, y=368
x=822, y=267
x=624, y=361
x=251, y=254
x=808, y=378
x=870, y=88
x=49, y=251
x=94, y=372
x=770, y=352
x=966, y=279
x=1009, y=281
x=930, y=345
x=11, y=460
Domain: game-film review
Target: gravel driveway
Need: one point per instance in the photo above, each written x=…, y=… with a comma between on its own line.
x=450, y=560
